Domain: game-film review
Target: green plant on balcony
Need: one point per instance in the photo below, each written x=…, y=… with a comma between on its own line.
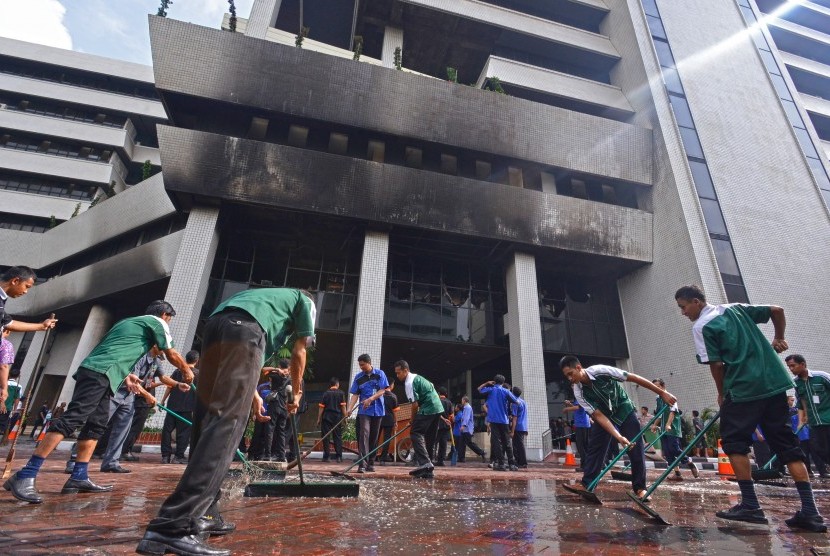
x=146, y=170
x=77, y=210
x=232, y=20
x=452, y=75
x=494, y=84
x=162, y=12
x=298, y=40
x=357, y=47
x=398, y=59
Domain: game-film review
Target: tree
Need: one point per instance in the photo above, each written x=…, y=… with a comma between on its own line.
x=163, y=8
x=232, y=20
x=146, y=170
x=398, y=60
x=452, y=75
x=77, y=211
x=298, y=40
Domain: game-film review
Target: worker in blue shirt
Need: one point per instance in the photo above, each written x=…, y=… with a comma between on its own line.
x=518, y=428
x=466, y=428
x=367, y=390
x=498, y=399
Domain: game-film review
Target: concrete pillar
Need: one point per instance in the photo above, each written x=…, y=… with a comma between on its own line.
x=468, y=386
x=392, y=39
x=98, y=323
x=28, y=366
x=527, y=364
x=368, y=325
x=189, y=281
x=263, y=15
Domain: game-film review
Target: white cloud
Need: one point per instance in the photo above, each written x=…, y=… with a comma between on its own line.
x=38, y=21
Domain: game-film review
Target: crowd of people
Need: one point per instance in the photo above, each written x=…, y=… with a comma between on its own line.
x=112, y=397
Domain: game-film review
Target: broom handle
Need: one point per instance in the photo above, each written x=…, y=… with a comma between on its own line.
x=30, y=390
x=380, y=446
x=682, y=455
x=305, y=454
x=183, y=420
x=293, y=418
x=649, y=445
x=774, y=457
x=631, y=444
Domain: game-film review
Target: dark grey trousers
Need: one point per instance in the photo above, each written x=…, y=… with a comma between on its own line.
x=231, y=361
x=368, y=429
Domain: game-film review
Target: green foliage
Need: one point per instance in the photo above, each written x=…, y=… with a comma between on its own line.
x=77, y=210
x=357, y=48
x=146, y=170
x=349, y=430
x=298, y=40
x=452, y=75
x=713, y=434
x=52, y=221
x=285, y=353
x=398, y=60
x=162, y=12
x=232, y=20
x=96, y=200
x=109, y=189
x=494, y=84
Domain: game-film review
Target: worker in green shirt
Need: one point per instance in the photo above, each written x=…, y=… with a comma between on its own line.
x=427, y=403
x=813, y=389
x=752, y=385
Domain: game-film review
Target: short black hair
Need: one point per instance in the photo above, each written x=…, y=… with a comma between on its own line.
x=569, y=361
x=402, y=364
x=517, y=391
x=22, y=272
x=659, y=381
x=283, y=363
x=159, y=308
x=442, y=390
x=695, y=413
x=364, y=358
x=644, y=407
x=499, y=379
x=690, y=293
x=14, y=373
x=334, y=381
x=798, y=358
x=191, y=356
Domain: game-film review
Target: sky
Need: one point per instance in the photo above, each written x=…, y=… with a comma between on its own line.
x=111, y=28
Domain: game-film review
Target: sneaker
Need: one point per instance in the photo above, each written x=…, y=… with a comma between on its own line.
x=741, y=513
x=439, y=464
x=483, y=456
x=513, y=468
x=129, y=456
x=694, y=469
x=370, y=469
x=360, y=469
x=499, y=468
x=814, y=523
x=490, y=464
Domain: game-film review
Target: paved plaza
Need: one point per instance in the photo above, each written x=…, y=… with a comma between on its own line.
x=467, y=509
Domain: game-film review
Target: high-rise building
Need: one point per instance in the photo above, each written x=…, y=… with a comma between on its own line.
x=483, y=186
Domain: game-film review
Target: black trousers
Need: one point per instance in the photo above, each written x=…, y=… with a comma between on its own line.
x=182, y=433
x=820, y=443
x=599, y=444
x=465, y=441
x=423, y=427
x=336, y=438
x=368, y=429
x=142, y=411
x=582, y=442
x=500, y=443
x=276, y=433
x=443, y=439
x=89, y=408
x=233, y=347
x=519, y=447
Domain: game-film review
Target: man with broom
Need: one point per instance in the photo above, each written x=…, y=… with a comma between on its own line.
x=422, y=394
x=239, y=336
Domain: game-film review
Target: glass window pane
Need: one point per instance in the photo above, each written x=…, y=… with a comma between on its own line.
x=703, y=181
x=713, y=217
x=604, y=342
x=780, y=86
x=806, y=142
x=582, y=337
x=748, y=15
x=555, y=335
x=397, y=318
x=726, y=258
x=792, y=113
x=690, y=141
x=664, y=53
x=736, y=293
x=656, y=27
x=650, y=7
x=619, y=343
x=672, y=81
x=819, y=173
x=826, y=194
x=681, y=111
x=769, y=61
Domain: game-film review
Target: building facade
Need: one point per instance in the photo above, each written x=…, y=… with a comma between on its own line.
x=481, y=187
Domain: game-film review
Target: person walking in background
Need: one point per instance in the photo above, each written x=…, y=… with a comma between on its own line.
x=518, y=428
x=331, y=411
x=183, y=402
x=582, y=426
x=813, y=390
x=466, y=428
x=388, y=423
x=444, y=428
x=498, y=400
x=40, y=420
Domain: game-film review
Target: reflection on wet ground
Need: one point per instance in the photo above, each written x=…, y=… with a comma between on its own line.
x=465, y=510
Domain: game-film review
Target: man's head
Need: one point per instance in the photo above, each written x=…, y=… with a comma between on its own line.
x=161, y=309
x=797, y=365
x=334, y=382
x=365, y=363
x=691, y=301
x=695, y=413
x=191, y=357
x=791, y=401
x=442, y=391
x=17, y=280
x=517, y=391
x=643, y=410
x=465, y=400
x=283, y=363
x=156, y=352
x=659, y=382
x=571, y=368
x=401, y=370
x=14, y=373
x=499, y=379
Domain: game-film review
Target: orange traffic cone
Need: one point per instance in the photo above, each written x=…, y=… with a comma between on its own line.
x=13, y=433
x=724, y=465
x=569, y=454
x=42, y=433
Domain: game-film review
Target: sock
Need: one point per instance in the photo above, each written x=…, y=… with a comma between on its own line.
x=31, y=468
x=748, y=498
x=808, y=503
x=80, y=471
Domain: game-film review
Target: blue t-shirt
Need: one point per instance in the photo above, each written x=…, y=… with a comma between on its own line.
x=497, y=400
x=264, y=389
x=519, y=410
x=803, y=434
x=581, y=419
x=456, y=426
x=365, y=385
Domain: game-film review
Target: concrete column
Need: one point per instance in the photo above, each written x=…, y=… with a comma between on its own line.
x=263, y=15
x=368, y=325
x=28, y=366
x=527, y=364
x=189, y=281
x=468, y=386
x=98, y=323
x=392, y=39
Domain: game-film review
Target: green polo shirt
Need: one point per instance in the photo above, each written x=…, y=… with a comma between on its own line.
x=814, y=394
x=729, y=334
x=418, y=389
x=676, y=426
x=125, y=343
x=605, y=393
x=280, y=312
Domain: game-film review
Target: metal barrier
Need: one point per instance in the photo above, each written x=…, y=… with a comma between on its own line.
x=547, y=443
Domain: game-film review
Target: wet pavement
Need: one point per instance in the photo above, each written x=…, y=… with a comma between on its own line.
x=467, y=509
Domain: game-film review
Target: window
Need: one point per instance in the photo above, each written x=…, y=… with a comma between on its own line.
x=691, y=142
x=681, y=111
x=713, y=217
x=703, y=181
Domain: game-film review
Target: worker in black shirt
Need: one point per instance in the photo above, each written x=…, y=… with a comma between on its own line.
x=444, y=427
x=387, y=424
x=332, y=410
x=184, y=404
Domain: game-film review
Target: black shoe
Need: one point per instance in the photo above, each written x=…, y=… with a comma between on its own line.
x=215, y=525
x=694, y=469
x=814, y=523
x=70, y=467
x=497, y=467
x=180, y=461
x=339, y=459
x=439, y=464
x=115, y=469
x=74, y=486
x=483, y=456
x=740, y=513
x=360, y=469
x=23, y=489
x=129, y=456
x=166, y=459
x=370, y=469
x=513, y=468
x=158, y=544
x=422, y=469
x=324, y=460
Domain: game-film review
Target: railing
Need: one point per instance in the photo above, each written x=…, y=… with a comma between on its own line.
x=547, y=444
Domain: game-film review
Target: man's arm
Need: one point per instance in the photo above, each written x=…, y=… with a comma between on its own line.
x=258, y=409
x=488, y=383
x=352, y=403
x=718, y=371
x=779, y=323
x=20, y=326
x=640, y=381
x=296, y=368
x=802, y=414
x=4, y=386
x=319, y=414
x=601, y=420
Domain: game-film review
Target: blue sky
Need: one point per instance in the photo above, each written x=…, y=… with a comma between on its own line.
x=111, y=28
